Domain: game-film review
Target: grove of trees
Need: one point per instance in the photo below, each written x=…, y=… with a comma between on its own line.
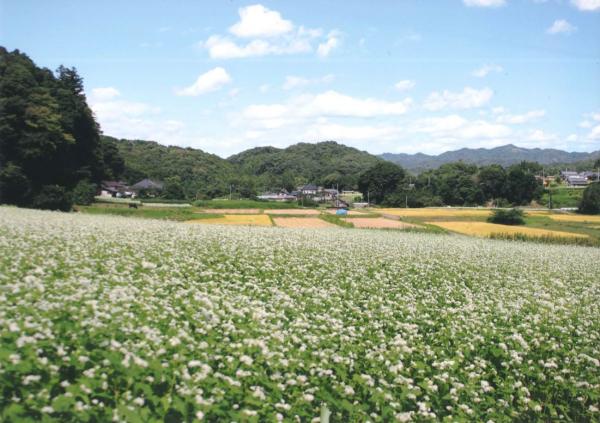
x=454, y=184
x=49, y=139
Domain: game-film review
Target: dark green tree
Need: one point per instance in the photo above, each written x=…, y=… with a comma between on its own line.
x=83, y=193
x=522, y=186
x=173, y=189
x=492, y=181
x=590, y=201
x=380, y=180
x=49, y=140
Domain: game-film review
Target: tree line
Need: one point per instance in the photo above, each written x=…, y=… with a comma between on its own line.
x=452, y=184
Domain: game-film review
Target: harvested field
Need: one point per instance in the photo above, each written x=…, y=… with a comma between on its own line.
x=301, y=222
x=240, y=219
x=436, y=212
x=485, y=229
x=379, y=223
x=298, y=212
x=231, y=211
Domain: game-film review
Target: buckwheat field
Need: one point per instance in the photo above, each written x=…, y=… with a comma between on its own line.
x=118, y=319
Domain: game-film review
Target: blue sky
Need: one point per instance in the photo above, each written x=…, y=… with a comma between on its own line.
x=386, y=76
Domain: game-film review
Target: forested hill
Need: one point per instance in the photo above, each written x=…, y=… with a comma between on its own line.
x=196, y=171
x=505, y=155
x=326, y=163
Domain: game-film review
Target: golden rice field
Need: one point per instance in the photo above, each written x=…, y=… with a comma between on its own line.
x=301, y=222
x=237, y=219
x=436, y=212
x=378, y=223
x=580, y=218
x=299, y=212
x=485, y=229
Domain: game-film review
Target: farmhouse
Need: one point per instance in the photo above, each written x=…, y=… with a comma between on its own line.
x=115, y=189
x=576, y=181
x=148, y=186
x=309, y=189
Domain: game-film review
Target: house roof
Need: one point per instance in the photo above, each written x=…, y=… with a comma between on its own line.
x=311, y=187
x=148, y=184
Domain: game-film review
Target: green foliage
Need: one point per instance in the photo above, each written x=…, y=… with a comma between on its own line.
x=380, y=180
x=84, y=193
x=507, y=217
x=173, y=189
x=52, y=197
x=492, y=181
x=48, y=135
x=522, y=186
x=590, y=202
x=561, y=197
x=166, y=213
x=336, y=220
x=14, y=185
x=201, y=175
x=456, y=184
x=326, y=163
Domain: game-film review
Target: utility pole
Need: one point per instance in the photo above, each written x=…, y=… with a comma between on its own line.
x=368, y=198
x=230, y=191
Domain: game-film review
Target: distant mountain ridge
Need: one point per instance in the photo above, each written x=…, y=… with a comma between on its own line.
x=505, y=155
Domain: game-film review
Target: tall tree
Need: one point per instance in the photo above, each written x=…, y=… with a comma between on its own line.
x=49, y=140
x=380, y=180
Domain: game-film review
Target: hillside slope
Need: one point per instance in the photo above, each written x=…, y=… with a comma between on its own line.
x=198, y=171
x=326, y=163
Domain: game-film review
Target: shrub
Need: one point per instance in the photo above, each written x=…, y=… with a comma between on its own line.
x=14, y=185
x=590, y=202
x=53, y=197
x=507, y=217
x=83, y=193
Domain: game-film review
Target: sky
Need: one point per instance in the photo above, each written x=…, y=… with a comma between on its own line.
x=399, y=76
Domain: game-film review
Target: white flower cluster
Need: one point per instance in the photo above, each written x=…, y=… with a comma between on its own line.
x=118, y=319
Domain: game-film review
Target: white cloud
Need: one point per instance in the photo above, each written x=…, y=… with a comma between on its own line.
x=486, y=70
x=572, y=138
x=324, y=105
x=105, y=93
x=332, y=42
x=519, y=119
x=541, y=136
x=457, y=127
x=467, y=99
x=594, y=133
x=261, y=32
x=292, y=81
x=224, y=48
x=404, y=85
x=131, y=119
x=212, y=80
x=258, y=21
x=586, y=5
x=484, y=3
x=561, y=26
